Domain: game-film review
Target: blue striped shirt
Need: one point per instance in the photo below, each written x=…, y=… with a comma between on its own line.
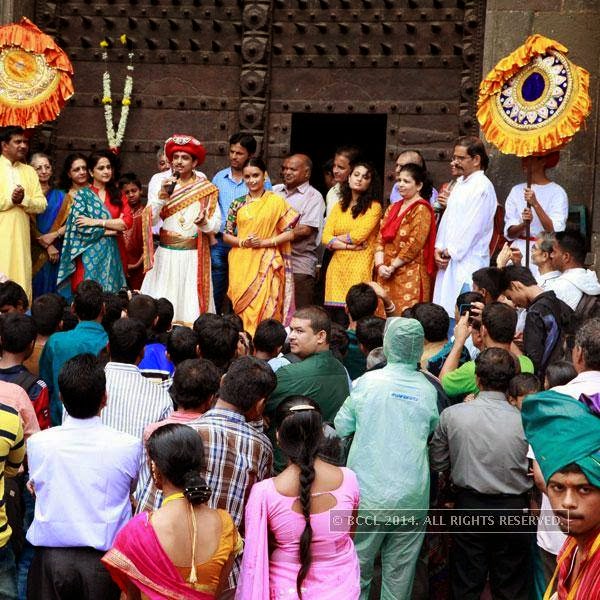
x=132, y=403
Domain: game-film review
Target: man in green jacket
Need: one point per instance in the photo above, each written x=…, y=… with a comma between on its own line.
x=318, y=375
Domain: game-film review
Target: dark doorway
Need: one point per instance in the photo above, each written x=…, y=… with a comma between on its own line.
x=318, y=135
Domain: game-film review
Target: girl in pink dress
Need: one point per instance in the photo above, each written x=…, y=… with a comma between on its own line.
x=298, y=540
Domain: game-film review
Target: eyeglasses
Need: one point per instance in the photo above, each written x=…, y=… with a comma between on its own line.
x=460, y=158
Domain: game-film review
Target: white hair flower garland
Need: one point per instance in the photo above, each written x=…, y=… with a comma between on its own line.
x=116, y=139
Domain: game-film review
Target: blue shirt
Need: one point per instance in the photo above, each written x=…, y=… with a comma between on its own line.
x=229, y=190
x=88, y=336
x=155, y=363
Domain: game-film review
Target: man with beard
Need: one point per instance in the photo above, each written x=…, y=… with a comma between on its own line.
x=565, y=436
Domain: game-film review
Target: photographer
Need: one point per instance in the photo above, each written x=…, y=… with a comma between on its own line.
x=498, y=324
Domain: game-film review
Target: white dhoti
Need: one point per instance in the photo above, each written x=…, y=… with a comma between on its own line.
x=175, y=274
x=174, y=277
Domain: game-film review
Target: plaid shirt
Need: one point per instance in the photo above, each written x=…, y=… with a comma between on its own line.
x=237, y=456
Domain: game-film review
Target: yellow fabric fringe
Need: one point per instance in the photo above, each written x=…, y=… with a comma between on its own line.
x=29, y=38
x=511, y=140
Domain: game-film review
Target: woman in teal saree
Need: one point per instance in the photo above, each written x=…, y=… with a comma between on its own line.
x=89, y=250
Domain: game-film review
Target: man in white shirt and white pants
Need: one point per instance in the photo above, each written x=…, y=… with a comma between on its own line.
x=465, y=231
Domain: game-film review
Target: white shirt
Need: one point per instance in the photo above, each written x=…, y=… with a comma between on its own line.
x=334, y=195
x=587, y=383
x=154, y=187
x=465, y=231
x=545, y=279
x=572, y=283
x=552, y=198
x=549, y=536
x=83, y=473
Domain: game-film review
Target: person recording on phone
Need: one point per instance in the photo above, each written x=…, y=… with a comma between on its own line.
x=498, y=325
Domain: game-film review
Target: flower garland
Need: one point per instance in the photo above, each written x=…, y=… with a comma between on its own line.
x=116, y=139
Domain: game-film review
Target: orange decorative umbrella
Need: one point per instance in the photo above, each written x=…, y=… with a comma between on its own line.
x=533, y=101
x=35, y=76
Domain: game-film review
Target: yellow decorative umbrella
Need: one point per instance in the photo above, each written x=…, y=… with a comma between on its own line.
x=35, y=76
x=533, y=102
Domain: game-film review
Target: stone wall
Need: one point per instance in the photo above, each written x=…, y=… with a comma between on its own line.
x=574, y=23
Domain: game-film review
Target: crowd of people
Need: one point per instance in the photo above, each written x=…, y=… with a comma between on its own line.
x=240, y=388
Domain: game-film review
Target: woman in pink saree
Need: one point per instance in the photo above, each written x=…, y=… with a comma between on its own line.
x=184, y=550
x=306, y=510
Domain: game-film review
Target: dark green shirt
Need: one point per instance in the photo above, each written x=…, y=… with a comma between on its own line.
x=355, y=361
x=321, y=377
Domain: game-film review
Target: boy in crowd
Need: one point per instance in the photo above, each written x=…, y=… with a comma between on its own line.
x=547, y=320
x=498, y=325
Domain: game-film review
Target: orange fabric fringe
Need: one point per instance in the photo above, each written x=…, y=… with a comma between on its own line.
x=510, y=140
x=28, y=37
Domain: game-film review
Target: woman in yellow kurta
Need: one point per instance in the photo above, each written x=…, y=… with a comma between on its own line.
x=260, y=228
x=351, y=233
x=404, y=252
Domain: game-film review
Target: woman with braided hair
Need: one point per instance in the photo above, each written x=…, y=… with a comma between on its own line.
x=306, y=511
x=185, y=549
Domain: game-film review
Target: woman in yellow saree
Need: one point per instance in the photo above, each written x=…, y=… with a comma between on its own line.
x=260, y=230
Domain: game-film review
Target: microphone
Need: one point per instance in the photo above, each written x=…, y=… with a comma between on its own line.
x=171, y=187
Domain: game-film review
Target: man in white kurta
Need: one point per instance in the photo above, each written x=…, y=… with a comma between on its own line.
x=181, y=271
x=20, y=196
x=548, y=209
x=463, y=238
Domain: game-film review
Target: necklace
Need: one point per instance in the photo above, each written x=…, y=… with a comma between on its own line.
x=174, y=496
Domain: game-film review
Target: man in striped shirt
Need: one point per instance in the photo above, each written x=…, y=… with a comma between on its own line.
x=12, y=452
x=133, y=401
x=195, y=386
x=237, y=455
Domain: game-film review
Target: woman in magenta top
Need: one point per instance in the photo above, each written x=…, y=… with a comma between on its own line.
x=313, y=555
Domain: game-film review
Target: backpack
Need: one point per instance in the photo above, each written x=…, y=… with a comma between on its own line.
x=588, y=307
x=27, y=381
x=558, y=330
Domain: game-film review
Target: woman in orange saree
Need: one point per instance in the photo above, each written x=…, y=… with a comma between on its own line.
x=260, y=230
x=404, y=253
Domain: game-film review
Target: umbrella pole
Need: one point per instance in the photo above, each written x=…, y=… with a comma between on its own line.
x=528, y=224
